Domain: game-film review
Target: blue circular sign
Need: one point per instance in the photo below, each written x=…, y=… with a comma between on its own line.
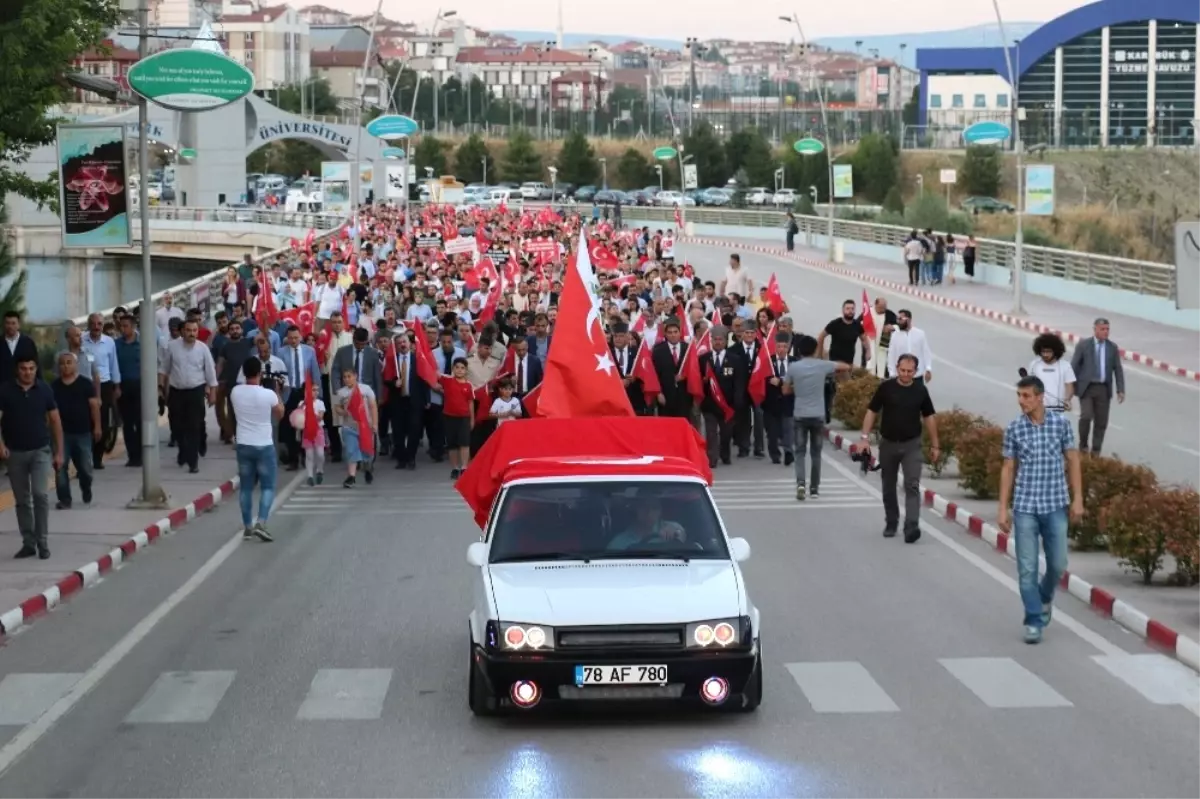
x=393, y=152
x=987, y=133
x=392, y=126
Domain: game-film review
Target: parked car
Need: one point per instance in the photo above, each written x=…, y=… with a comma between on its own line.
x=785, y=198
x=715, y=197
x=640, y=197
x=585, y=194
x=986, y=205
x=759, y=195
x=668, y=198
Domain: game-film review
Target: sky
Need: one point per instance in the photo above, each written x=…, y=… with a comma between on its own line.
x=680, y=19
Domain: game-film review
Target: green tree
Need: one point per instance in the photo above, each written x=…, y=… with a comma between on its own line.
x=804, y=171
x=633, y=170
x=577, y=162
x=981, y=171
x=13, y=297
x=521, y=162
x=39, y=41
x=318, y=98
x=875, y=165
x=909, y=112
x=469, y=160
x=430, y=152
x=749, y=150
x=707, y=154
x=893, y=203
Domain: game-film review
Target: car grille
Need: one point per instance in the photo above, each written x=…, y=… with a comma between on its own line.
x=620, y=638
x=620, y=693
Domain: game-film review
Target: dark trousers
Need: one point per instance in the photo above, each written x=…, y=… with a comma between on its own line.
x=405, y=416
x=186, y=407
x=435, y=431
x=287, y=433
x=1094, y=406
x=131, y=418
x=480, y=433
x=108, y=424
x=894, y=457
x=791, y=242
x=718, y=438
x=749, y=420
x=777, y=442
x=914, y=272
x=332, y=434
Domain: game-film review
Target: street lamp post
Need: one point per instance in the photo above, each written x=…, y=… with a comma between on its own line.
x=484, y=162
x=1019, y=238
x=795, y=19
x=355, y=169
x=604, y=174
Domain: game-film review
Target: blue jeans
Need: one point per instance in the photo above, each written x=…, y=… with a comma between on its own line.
x=1052, y=529
x=256, y=464
x=77, y=449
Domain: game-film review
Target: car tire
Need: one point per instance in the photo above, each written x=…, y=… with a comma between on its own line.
x=479, y=697
x=752, y=695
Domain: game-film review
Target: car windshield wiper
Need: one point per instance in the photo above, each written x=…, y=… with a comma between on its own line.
x=653, y=554
x=532, y=556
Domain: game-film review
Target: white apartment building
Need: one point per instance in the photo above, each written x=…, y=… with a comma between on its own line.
x=524, y=73
x=179, y=13
x=272, y=41
x=324, y=15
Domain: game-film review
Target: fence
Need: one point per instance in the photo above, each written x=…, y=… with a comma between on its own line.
x=294, y=219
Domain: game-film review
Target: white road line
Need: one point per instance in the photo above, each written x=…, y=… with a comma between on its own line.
x=841, y=688
x=1089, y=636
x=182, y=697
x=24, y=740
x=1184, y=450
x=24, y=697
x=801, y=299
x=346, y=695
x=1003, y=683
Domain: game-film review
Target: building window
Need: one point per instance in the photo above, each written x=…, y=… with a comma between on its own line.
x=935, y=101
x=248, y=41
x=1002, y=101
x=956, y=101
x=981, y=101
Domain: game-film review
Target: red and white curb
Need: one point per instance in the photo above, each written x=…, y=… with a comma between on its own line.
x=1154, y=632
x=939, y=299
x=86, y=576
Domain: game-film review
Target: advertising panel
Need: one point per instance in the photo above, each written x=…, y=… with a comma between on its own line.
x=1039, y=190
x=843, y=181
x=93, y=179
x=335, y=187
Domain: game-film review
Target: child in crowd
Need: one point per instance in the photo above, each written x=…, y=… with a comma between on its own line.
x=314, y=449
x=506, y=407
x=458, y=415
x=358, y=422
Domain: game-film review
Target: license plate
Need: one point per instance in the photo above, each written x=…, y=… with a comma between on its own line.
x=620, y=675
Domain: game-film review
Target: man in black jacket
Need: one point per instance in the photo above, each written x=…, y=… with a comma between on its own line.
x=668, y=357
x=18, y=347
x=624, y=355
x=730, y=369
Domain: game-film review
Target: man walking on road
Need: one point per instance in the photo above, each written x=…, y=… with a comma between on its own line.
x=31, y=442
x=1034, y=479
x=79, y=414
x=104, y=355
x=907, y=339
x=256, y=409
x=129, y=358
x=187, y=369
x=1096, y=363
x=805, y=380
x=905, y=404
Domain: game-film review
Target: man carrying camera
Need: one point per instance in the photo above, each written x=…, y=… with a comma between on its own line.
x=806, y=379
x=905, y=404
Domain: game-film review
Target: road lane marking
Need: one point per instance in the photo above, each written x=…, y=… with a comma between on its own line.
x=346, y=695
x=1160, y=679
x=841, y=688
x=1061, y=619
x=24, y=697
x=24, y=740
x=1003, y=683
x=1184, y=450
x=182, y=697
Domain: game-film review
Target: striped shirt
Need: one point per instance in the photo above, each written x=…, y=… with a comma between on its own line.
x=1038, y=450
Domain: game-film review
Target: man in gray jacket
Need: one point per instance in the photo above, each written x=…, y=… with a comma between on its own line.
x=364, y=359
x=1097, y=363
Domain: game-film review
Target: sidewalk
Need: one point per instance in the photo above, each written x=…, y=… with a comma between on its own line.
x=1140, y=340
x=81, y=538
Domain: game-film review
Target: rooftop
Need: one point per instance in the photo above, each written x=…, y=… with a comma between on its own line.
x=525, y=55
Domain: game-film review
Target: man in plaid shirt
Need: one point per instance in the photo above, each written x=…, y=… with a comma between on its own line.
x=1034, y=478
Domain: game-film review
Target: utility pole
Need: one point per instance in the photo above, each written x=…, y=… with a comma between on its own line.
x=355, y=168
x=1014, y=77
x=691, y=46
x=153, y=495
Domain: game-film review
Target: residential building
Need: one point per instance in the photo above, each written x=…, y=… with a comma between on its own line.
x=342, y=69
x=177, y=13
x=578, y=90
x=525, y=74
x=323, y=15
x=273, y=42
x=598, y=51
x=677, y=75
x=631, y=55
x=110, y=60
x=339, y=37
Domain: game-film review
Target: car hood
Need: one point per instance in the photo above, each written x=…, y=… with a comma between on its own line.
x=615, y=592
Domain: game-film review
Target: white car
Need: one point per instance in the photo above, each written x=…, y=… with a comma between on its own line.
x=759, y=196
x=668, y=198
x=602, y=579
x=534, y=190
x=785, y=197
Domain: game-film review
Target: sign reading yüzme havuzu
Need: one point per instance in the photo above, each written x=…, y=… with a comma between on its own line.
x=185, y=79
x=303, y=130
x=1138, y=61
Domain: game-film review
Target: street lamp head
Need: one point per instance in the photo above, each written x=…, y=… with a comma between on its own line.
x=788, y=20
x=446, y=14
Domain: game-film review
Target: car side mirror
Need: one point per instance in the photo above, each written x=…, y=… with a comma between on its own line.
x=739, y=549
x=477, y=554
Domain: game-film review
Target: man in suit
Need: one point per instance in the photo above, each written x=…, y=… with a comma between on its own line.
x=408, y=395
x=777, y=406
x=729, y=365
x=19, y=347
x=750, y=416
x=300, y=361
x=364, y=359
x=1096, y=363
x=624, y=355
x=668, y=357
x=527, y=369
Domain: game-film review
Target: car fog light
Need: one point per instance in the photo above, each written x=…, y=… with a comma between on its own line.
x=714, y=690
x=525, y=693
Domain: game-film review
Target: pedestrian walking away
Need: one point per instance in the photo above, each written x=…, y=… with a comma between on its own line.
x=79, y=414
x=256, y=409
x=31, y=441
x=1034, y=481
x=906, y=405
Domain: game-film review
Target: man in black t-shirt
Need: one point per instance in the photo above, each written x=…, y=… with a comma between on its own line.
x=233, y=353
x=905, y=404
x=79, y=411
x=843, y=334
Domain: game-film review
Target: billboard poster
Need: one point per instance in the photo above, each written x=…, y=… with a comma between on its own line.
x=93, y=180
x=843, y=181
x=366, y=180
x=335, y=187
x=395, y=181
x=1039, y=190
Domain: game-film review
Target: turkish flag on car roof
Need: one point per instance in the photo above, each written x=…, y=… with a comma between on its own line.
x=581, y=378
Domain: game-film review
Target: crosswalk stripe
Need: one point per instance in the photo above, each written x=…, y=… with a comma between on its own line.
x=179, y=697
x=346, y=694
x=802, y=506
x=25, y=697
x=845, y=687
x=1003, y=683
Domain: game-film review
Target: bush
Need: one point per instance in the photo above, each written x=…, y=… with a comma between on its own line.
x=893, y=203
x=852, y=398
x=979, y=458
x=1135, y=526
x=952, y=426
x=1183, y=533
x=1104, y=480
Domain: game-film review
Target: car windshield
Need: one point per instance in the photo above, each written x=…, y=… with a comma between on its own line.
x=607, y=520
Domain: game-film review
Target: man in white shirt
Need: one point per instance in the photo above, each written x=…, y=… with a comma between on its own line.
x=1054, y=371
x=256, y=409
x=164, y=315
x=328, y=297
x=910, y=340
x=737, y=279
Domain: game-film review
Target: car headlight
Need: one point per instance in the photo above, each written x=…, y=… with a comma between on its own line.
x=718, y=633
x=520, y=637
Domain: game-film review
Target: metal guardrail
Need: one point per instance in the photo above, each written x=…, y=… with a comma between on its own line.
x=317, y=221
x=1144, y=277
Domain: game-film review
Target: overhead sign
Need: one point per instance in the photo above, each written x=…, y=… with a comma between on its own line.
x=187, y=79
x=304, y=130
x=690, y=177
x=843, y=181
x=93, y=186
x=392, y=126
x=987, y=133
x=1138, y=61
x=393, y=152
x=948, y=176
x=809, y=146
x=665, y=153
x=1039, y=190
x=1187, y=264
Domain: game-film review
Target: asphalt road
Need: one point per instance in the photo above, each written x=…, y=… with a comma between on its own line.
x=976, y=362
x=333, y=663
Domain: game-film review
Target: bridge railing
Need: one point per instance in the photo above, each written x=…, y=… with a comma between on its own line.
x=262, y=216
